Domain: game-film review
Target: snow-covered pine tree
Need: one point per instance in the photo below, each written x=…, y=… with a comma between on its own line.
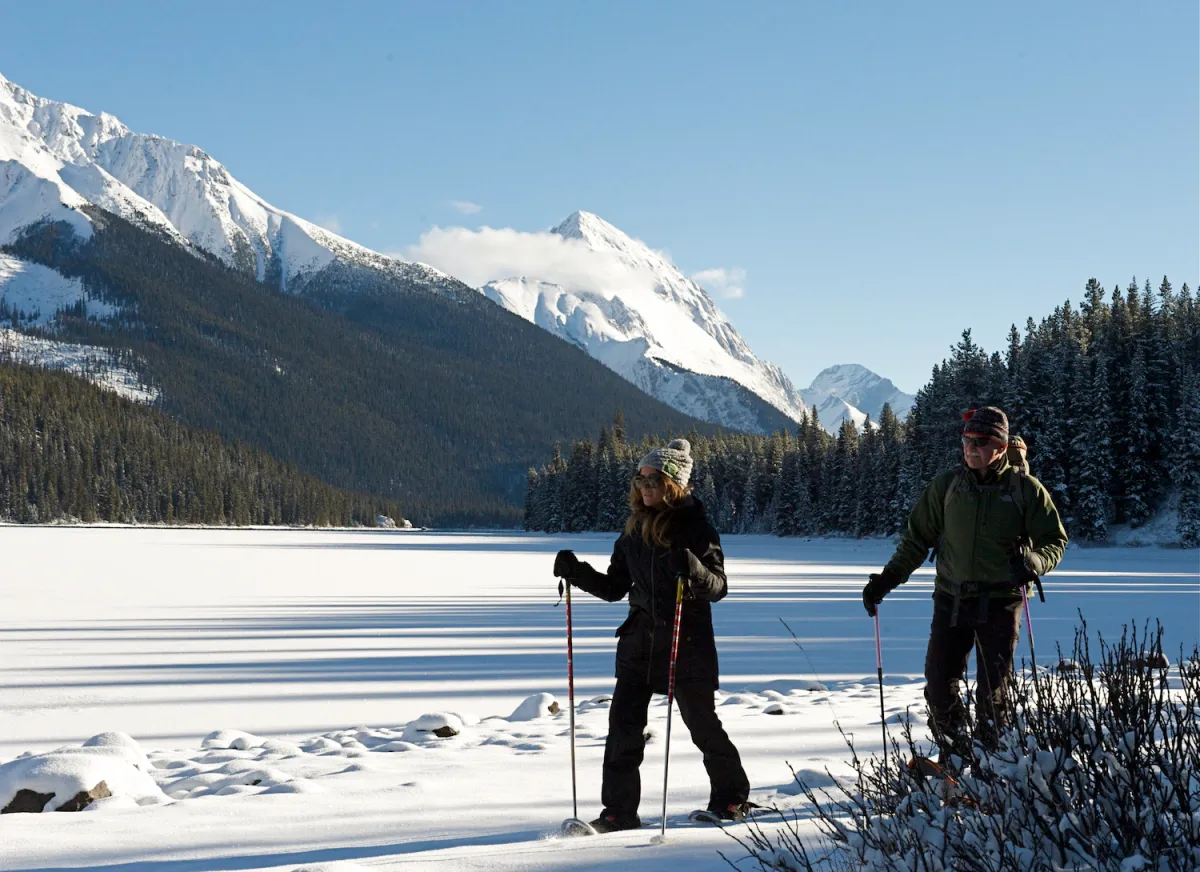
x=845, y=478
x=1139, y=482
x=554, y=486
x=785, y=498
x=867, y=493
x=707, y=492
x=1091, y=454
x=1185, y=464
x=581, y=488
x=532, y=480
x=891, y=454
x=806, y=522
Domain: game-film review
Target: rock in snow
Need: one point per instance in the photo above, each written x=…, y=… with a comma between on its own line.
x=540, y=705
x=72, y=777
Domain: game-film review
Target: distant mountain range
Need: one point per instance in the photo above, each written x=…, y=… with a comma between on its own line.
x=64, y=172
x=376, y=375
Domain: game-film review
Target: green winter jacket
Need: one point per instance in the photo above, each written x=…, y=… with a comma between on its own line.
x=975, y=527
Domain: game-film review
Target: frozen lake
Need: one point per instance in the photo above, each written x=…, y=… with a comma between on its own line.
x=169, y=634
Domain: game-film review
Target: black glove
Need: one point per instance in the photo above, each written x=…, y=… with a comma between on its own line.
x=1024, y=563
x=879, y=585
x=683, y=562
x=680, y=563
x=566, y=564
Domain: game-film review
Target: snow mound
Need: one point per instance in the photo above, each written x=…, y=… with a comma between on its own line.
x=234, y=740
x=113, y=758
x=540, y=705
x=440, y=724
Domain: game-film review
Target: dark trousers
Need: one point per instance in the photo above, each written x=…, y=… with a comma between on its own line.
x=994, y=639
x=623, y=751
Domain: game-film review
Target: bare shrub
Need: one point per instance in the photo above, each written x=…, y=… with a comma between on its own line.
x=1100, y=770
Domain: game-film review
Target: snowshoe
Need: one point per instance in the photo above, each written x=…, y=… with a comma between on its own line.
x=611, y=823
x=576, y=827
x=944, y=784
x=721, y=814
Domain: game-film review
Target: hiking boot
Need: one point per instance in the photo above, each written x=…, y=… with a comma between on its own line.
x=730, y=811
x=609, y=822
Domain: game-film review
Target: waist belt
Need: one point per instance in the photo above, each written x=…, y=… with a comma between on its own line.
x=961, y=590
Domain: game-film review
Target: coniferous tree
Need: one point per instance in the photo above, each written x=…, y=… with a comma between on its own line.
x=1091, y=453
x=1185, y=465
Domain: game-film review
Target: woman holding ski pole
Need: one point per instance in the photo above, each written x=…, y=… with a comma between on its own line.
x=667, y=537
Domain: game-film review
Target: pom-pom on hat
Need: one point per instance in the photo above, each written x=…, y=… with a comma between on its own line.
x=988, y=421
x=673, y=460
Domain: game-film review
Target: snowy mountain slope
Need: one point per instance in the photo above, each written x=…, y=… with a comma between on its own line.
x=56, y=158
x=32, y=293
x=850, y=389
x=657, y=328
x=98, y=365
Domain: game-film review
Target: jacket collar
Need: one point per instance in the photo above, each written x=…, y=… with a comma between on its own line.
x=994, y=472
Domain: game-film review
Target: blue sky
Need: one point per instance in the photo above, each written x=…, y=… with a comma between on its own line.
x=884, y=176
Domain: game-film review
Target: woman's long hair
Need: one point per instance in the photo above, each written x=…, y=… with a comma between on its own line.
x=654, y=524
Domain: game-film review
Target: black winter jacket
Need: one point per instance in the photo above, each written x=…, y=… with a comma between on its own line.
x=643, y=572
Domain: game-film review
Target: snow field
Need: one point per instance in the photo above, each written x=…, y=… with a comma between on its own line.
x=283, y=686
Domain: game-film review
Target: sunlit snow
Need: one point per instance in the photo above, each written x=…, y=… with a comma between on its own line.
x=272, y=699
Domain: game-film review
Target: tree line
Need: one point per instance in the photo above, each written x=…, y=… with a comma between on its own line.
x=69, y=450
x=1106, y=394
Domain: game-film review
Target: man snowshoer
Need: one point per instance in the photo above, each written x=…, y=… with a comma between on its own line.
x=994, y=528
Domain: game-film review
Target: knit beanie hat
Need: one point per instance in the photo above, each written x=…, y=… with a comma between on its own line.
x=988, y=421
x=1018, y=443
x=674, y=461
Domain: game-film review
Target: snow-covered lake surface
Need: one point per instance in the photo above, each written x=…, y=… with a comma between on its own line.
x=328, y=648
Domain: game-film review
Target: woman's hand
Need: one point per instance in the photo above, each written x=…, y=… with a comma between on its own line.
x=566, y=564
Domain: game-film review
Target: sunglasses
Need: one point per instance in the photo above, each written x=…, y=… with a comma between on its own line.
x=979, y=441
x=650, y=481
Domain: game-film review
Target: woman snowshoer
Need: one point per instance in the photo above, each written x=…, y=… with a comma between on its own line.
x=994, y=528
x=666, y=536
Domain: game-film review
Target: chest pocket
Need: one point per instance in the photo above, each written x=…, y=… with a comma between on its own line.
x=993, y=510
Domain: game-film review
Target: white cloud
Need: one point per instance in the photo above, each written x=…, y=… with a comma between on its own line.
x=480, y=256
x=466, y=207
x=330, y=223
x=726, y=283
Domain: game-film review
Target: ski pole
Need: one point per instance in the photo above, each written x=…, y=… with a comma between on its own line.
x=1029, y=628
x=571, y=699
x=879, y=672
x=671, y=695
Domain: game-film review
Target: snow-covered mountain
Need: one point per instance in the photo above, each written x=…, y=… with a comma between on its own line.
x=657, y=328
x=56, y=159
x=852, y=391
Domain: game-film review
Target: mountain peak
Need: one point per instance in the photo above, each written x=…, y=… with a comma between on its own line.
x=595, y=231
x=858, y=388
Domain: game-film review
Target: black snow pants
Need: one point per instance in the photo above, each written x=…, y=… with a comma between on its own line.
x=623, y=751
x=994, y=637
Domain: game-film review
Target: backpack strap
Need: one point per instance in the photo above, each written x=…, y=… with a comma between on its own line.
x=955, y=483
x=1016, y=483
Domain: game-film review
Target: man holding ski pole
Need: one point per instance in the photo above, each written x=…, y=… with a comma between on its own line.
x=994, y=529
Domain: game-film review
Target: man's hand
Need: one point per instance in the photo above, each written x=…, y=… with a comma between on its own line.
x=566, y=564
x=1026, y=565
x=879, y=585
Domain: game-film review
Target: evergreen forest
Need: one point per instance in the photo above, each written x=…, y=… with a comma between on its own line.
x=70, y=450
x=1106, y=393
